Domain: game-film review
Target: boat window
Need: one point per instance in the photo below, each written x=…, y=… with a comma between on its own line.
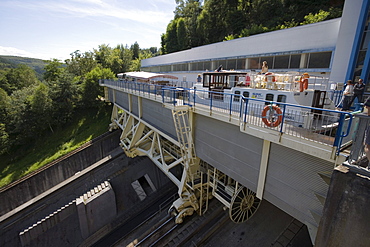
x=269, y=97
x=236, y=96
x=246, y=94
x=281, y=98
x=206, y=80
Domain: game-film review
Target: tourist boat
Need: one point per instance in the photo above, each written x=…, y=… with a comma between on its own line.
x=270, y=94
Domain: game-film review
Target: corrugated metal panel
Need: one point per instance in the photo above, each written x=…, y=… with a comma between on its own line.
x=121, y=99
x=223, y=146
x=293, y=181
x=159, y=116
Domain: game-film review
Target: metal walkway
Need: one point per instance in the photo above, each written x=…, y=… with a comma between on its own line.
x=211, y=150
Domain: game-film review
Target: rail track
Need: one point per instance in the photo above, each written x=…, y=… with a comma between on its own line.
x=192, y=232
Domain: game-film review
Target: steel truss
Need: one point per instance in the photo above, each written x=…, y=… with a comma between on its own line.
x=199, y=181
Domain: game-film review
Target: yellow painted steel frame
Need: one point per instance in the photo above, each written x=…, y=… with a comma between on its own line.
x=139, y=138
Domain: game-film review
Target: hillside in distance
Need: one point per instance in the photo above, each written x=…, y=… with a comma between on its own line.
x=10, y=62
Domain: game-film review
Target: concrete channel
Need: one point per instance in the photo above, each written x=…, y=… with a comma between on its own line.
x=109, y=201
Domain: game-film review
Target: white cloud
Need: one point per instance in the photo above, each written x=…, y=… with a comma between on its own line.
x=98, y=8
x=11, y=51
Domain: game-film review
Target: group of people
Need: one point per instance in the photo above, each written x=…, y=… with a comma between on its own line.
x=352, y=92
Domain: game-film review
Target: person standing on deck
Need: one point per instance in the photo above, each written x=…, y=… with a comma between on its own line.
x=358, y=91
x=199, y=78
x=265, y=68
x=367, y=132
x=347, y=96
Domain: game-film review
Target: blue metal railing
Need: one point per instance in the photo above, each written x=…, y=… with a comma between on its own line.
x=320, y=125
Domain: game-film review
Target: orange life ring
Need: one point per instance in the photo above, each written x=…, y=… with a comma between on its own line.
x=278, y=112
x=303, y=84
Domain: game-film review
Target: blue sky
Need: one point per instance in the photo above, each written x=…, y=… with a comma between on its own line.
x=49, y=29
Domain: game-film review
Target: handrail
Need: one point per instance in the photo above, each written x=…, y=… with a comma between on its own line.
x=232, y=104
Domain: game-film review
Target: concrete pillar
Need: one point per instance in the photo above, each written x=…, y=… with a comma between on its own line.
x=346, y=214
x=96, y=208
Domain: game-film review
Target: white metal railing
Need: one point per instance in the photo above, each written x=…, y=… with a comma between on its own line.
x=320, y=125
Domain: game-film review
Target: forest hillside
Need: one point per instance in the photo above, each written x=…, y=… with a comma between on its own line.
x=198, y=22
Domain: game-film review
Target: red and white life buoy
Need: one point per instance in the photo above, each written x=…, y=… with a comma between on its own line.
x=277, y=121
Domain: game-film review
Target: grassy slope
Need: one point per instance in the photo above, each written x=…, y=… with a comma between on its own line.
x=84, y=127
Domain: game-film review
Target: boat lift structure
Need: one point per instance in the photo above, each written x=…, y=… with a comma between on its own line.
x=144, y=114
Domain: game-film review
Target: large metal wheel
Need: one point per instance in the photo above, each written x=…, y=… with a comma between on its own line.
x=243, y=205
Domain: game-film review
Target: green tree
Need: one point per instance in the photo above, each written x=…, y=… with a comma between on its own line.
x=80, y=63
x=65, y=95
x=91, y=91
x=102, y=55
x=181, y=34
x=41, y=108
x=219, y=20
x=313, y=18
x=125, y=55
x=20, y=77
x=170, y=38
x=4, y=139
x=19, y=124
x=4, y=136
x=135, y=48
x=53, y=70
x=189, y=11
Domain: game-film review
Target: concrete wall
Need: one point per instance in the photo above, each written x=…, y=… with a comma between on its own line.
x=96, y=208
x=345, y=221
x=58, y=208
x=23, y=190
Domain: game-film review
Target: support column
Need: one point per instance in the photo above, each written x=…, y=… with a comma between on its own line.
x=263, y=168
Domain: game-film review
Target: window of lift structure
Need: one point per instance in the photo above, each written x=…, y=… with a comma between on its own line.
x=217, y=63
x=231, y=64
x=295, y=60
x=197, y=66
x=236, y=96
x=155, y=69
x=207, y=65
x=269, y=60
x=200, y=66
x=254, y=63
x=269, y=97
x=281, y=62
x=193, y=66
x=361, y=58
x=319, y=60
x=165, y=68
x=240, y=63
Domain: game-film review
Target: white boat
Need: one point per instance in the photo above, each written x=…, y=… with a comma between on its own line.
x=273, y=94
